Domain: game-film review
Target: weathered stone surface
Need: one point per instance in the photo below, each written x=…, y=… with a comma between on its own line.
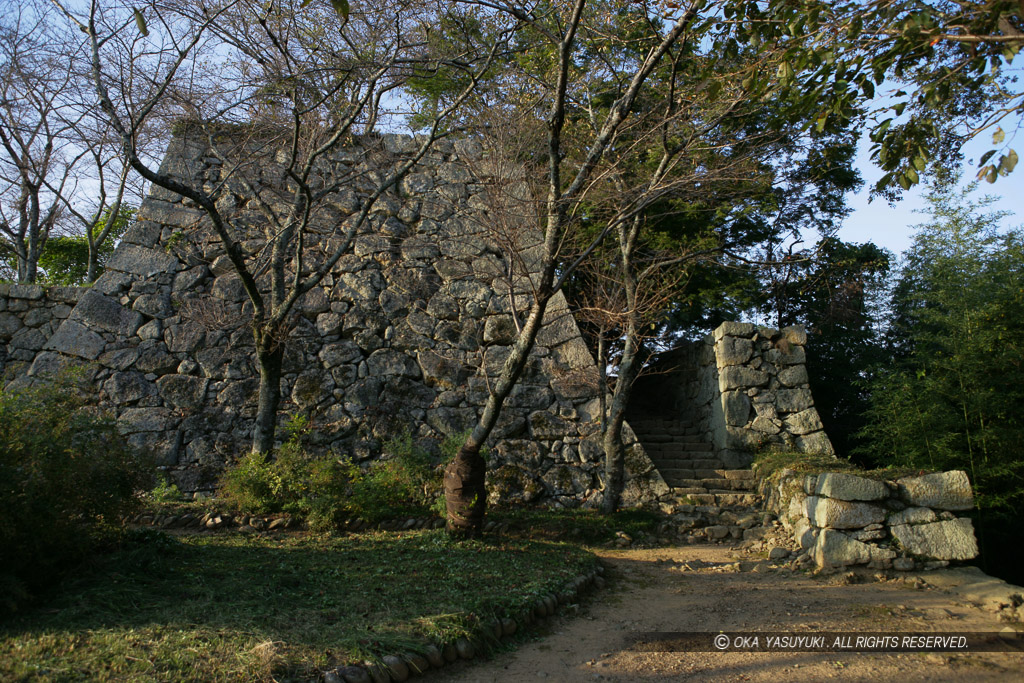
x=836, y=549
x=499, y=329
x=842, y=514
x=184, y=338
x=441, y=371
x=948, y=540
x=912, y=516
x=135, y=420
x=75, y=339
x=793, y=376
x=804, y=422
x=182, y=391
x=126, y=387
x=102, y=313
x=140, y=261
x=943, y=490
x=734, y=330
x=736, y=405
x=389, y=362
x=795, y=334
x=849, y=487
x=733, y=351
x=309, y=390
x=740, y=377
x=545, y=425
x=793, y=400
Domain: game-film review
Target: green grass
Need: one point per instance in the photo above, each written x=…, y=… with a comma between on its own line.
x=228, y=606
x=583, y=526
x=769, y=462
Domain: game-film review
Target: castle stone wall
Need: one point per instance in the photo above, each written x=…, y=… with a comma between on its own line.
x=407, y=332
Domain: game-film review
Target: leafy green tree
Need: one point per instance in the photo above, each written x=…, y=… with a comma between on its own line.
x=833, y=290
x=944, y=69
x=68, y=259
x=952, y=397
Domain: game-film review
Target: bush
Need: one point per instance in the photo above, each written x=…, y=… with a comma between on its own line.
x=67, y=479
x=326, y=490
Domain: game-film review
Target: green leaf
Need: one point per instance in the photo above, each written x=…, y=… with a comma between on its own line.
x=899, y=107
x=912, y=176
x=305, y=3
x=904, y=182
x=341, y=7
x=998, y=136
x=920, y=163
x=821, y=122
x=140, y=21
x=992, y=174
x=985, y=157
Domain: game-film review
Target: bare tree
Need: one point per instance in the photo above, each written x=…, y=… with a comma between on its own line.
x=38, y=151
x=565, y=186
x=295, y=81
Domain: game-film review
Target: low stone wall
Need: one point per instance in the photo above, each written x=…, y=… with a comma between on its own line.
x=842, y=519
x=29, y=315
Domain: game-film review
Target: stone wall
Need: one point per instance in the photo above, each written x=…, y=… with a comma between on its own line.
x=407, y=332
x=842, y=519
x=744, y=387
x=29, y=314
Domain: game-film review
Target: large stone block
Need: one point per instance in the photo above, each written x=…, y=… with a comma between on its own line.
x=949, y=540
x=732, y=329
x=733, y=351
x=390, y=362
x=548, y=426
x=943, y=490
x=836, y=549
x=441, y=371
x=736, y=405
x=136, y=260
x=104, y=313
x=793, y=400
x=182, y=391
x=740, y=377
x=842, y=514
x=849, y=487
x=75, y=339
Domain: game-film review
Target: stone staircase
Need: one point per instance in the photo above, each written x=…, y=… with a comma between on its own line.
x=689, y=467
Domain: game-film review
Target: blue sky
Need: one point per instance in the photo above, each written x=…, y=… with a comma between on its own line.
x=892, y=226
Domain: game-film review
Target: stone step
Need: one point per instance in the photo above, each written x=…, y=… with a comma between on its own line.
x=666, y=437
x=710, y=465
x=722, y=498
x=715, y=483
x=683, y=451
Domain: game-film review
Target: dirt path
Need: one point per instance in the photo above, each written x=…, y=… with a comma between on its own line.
x=701, y=588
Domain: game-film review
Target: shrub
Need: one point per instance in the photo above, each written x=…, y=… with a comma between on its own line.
x=67, y=479
x=325, y=490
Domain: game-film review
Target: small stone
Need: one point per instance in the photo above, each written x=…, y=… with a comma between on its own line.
x=465, y=649
x=434, y=656
x=418, y=664
x=777, y=553
x=450, y=653
x=397, y=667
x=354, y=674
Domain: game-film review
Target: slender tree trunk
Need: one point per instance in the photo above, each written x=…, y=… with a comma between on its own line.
x=464, y=491
x=614, y=450
x=270, y=356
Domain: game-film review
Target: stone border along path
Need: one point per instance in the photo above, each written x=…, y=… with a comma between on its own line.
x=712, y=587
x=400, y=667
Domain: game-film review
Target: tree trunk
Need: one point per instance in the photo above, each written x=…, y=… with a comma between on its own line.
x=614, y=451
x=464, y=491
x=270, y=356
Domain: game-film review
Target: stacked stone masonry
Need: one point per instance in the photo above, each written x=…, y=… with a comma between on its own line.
x=29, y=315
x=742, y=388
x=842, y=519
x=407, y=332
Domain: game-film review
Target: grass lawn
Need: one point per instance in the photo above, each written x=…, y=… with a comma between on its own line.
x=230, y=606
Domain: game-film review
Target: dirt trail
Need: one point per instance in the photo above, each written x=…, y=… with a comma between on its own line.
x=700, y=588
